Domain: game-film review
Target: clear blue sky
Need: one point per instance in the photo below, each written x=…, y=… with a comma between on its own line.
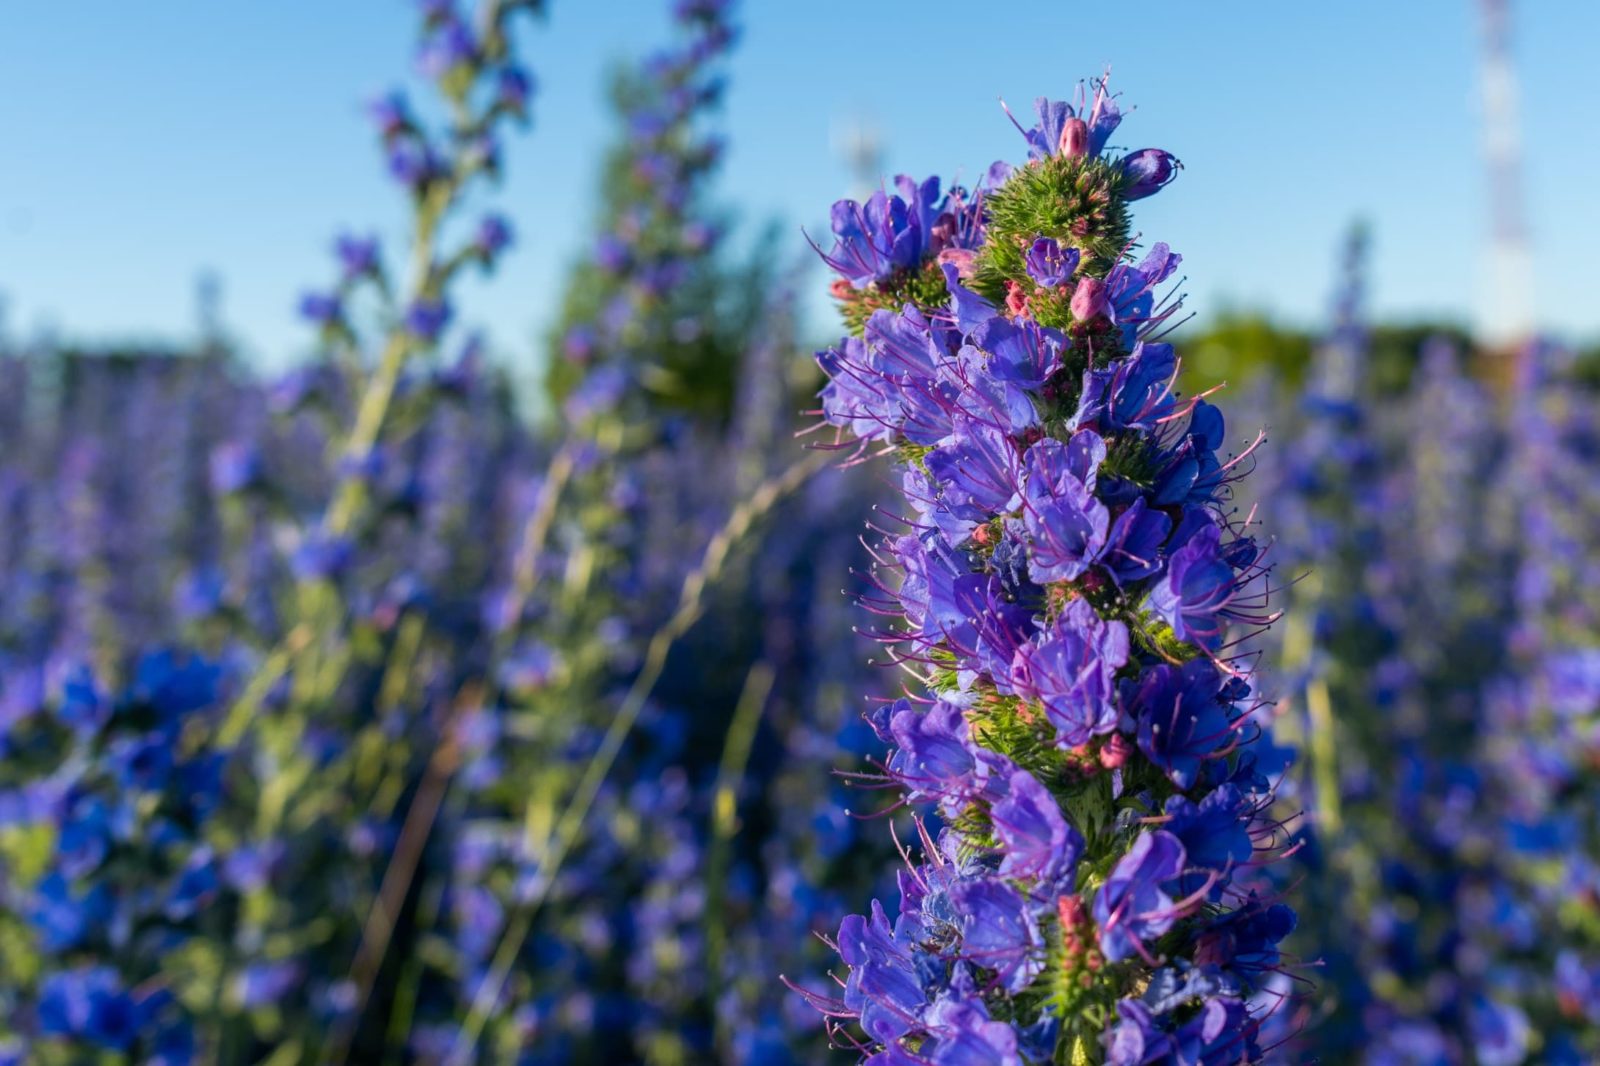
x=145, y=141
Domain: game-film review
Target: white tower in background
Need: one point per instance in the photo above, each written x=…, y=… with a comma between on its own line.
x=1506, y=308
x=858, y=142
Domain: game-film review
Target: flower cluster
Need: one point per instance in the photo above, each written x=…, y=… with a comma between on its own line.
x=1068, y=582
x=117, y=861
x=1442, y=877
x=651, y=309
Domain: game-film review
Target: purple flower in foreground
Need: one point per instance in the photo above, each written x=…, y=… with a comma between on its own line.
x=1181, y=720
x=1147, y=171
x=1039, y=845
x=1049, y=264
x=1072, y=671
x=1198, y=587
x=1132, y=907
x=998, y=931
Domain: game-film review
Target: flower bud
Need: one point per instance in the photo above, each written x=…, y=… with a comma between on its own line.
x=961, y=258
x=1074, y=138
x=1146, y=171
x=1089, y=299
x=1016, y=299
x=1115, y=752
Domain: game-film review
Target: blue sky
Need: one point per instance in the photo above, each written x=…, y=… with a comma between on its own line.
x=144, y=142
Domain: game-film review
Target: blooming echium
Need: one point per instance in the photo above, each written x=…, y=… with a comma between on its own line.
x=1069, y=575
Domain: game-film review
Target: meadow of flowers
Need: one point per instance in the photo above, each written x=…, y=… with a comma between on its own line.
x=981, y=688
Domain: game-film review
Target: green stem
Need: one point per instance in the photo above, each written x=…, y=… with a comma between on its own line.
x=725, y=822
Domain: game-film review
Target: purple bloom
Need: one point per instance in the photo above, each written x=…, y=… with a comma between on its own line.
x=1147, y=171
x=426, y=318
x=84, y=839
x=887, y=233
x=89, y=1004
x=1132, y=908
x=392, y=114
x=1577, y=985
x=935, y=760
x=1066, y=525
x=1194, y=595
x=1072, y=671
x=1022, y=353
x=1219, y=1035
x=1039, y=844
x=65, y=918
x=1060, y=131
x=234, y=467
x=985, y=396
x=514, y=86
x=449, y=46
x=1129, y=294
x=323, y=309
x=1180, y=719
x=197, y=885
x=611, y=253
x=998, y=931
x=1132, y=393
x=980, y=470
x=883, y=988
x=1192, y=474
x=1215, y=834
x=1245, y=940
x=414, y=164
x=358, y=256
x=1133, y=547
x=1049, y=264
x=493, y=236
x=1500, y=1032
x=964, y=1035
x=901, y=368
x=262, y=983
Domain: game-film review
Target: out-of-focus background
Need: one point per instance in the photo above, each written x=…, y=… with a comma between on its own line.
x=424, y=638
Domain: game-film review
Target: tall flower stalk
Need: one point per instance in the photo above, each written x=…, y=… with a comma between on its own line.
x=1067, y=592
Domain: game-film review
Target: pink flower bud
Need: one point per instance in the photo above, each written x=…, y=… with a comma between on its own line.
x=1075, y=138
x=1016, y=299
x=1089, y=299
x=961, y=258
x=1115, y=752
